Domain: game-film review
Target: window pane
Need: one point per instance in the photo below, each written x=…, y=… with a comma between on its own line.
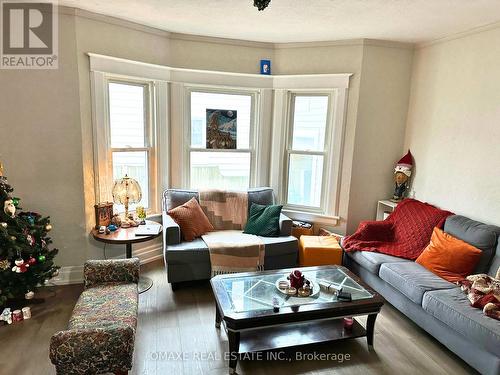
x=305, y=175
x=309, y=123
x=239, y=104
x=126, y=115
x=220, y=170
x=135, y=165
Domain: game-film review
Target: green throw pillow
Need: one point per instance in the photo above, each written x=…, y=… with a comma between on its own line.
x=264, y=220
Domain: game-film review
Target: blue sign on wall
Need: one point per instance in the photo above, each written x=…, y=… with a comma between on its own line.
x=265, y=66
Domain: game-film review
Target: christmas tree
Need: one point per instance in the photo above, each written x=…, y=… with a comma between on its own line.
x=26, y=261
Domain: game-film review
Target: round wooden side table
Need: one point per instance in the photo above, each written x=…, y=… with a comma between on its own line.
x=127, y=237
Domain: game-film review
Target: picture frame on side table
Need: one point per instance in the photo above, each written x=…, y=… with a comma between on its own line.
x=103, y=214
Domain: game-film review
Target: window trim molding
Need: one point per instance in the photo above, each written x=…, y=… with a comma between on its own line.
x=101, y=133
x=282, y=121
x=291, y=95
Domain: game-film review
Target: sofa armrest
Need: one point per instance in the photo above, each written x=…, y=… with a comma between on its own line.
x=171, y=231
x=285, y=225
x=114, y=270
x=76, y=350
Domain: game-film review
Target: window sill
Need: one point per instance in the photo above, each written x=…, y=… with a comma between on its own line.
x=312, y=217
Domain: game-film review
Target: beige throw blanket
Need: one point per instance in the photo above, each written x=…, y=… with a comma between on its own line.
x=225, y=209
x=230, y=249
x=233, y=251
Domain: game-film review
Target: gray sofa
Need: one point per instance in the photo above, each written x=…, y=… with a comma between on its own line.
x=436, y=305
x=187, y=261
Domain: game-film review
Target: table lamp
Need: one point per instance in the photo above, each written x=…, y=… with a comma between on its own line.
x=127, y=190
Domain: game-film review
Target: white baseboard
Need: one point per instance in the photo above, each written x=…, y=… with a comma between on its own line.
x=74, y=274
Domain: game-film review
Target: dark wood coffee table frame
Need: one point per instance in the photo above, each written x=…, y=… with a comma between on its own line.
x=321, y=321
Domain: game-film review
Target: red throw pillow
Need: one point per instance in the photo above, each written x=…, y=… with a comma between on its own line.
x=448, y=257
x=191, y=219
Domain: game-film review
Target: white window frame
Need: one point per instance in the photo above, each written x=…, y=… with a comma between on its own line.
x=326, y=152
x=254, y=128
x=282, y=127
x=103, y=150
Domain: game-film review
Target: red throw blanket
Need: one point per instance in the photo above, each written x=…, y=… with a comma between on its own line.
x=405, y=233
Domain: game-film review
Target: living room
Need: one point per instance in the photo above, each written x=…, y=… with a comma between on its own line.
x=356, y=137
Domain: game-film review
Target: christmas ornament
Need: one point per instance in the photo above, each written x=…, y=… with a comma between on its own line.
x=30, y=219
x=6, y=316
x=3, y=224
x=26, y=312
x=29, y=295
x=4, y=264
x=30, y=239
x=9, y=208
x=15, y=201
x=17, y=316
x=31, y=261
x=48, y=227
x=44, y=243
x=41, y=258
x=13, y=238
x=20, y=266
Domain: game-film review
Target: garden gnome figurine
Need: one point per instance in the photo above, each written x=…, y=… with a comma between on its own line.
x=402, y=174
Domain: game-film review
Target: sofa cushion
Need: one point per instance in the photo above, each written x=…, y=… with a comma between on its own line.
x=372, y=260
x=106, y=305
x=453, y=309
x=278, y=246
x=495, y=262
x=263, y=196
x=412, y=280
x=176, y=197
x=195, y=251
x=479, y=235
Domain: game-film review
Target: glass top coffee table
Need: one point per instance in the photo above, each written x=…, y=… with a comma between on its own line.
x=259, y=317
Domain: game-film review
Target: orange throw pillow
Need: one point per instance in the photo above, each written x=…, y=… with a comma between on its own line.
x=191, y=219
x=448, y=257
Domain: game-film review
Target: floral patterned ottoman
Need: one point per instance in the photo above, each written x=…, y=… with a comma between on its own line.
x=101, y=331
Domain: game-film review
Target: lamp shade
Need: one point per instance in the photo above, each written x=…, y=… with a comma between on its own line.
x=126, y=190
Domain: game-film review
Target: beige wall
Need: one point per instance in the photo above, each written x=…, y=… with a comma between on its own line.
x=233, y=56
x=40, y=143
x=335, y=58
x=454, y=125
x=47, y=115
x=382, y=109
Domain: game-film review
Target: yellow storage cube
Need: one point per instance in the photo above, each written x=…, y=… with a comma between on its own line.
x=319, y=251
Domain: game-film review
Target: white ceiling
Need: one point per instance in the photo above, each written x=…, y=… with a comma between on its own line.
x=304, y=20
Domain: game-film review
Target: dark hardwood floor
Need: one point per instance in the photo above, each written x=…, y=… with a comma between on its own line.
x=172, y=325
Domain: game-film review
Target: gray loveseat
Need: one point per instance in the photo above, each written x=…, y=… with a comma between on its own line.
x=436, y=305
x=187, y=261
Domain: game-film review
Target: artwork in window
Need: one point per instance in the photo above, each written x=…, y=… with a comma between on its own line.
x=221, y=129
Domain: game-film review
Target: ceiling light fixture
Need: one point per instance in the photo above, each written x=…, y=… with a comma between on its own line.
x=261, y=4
